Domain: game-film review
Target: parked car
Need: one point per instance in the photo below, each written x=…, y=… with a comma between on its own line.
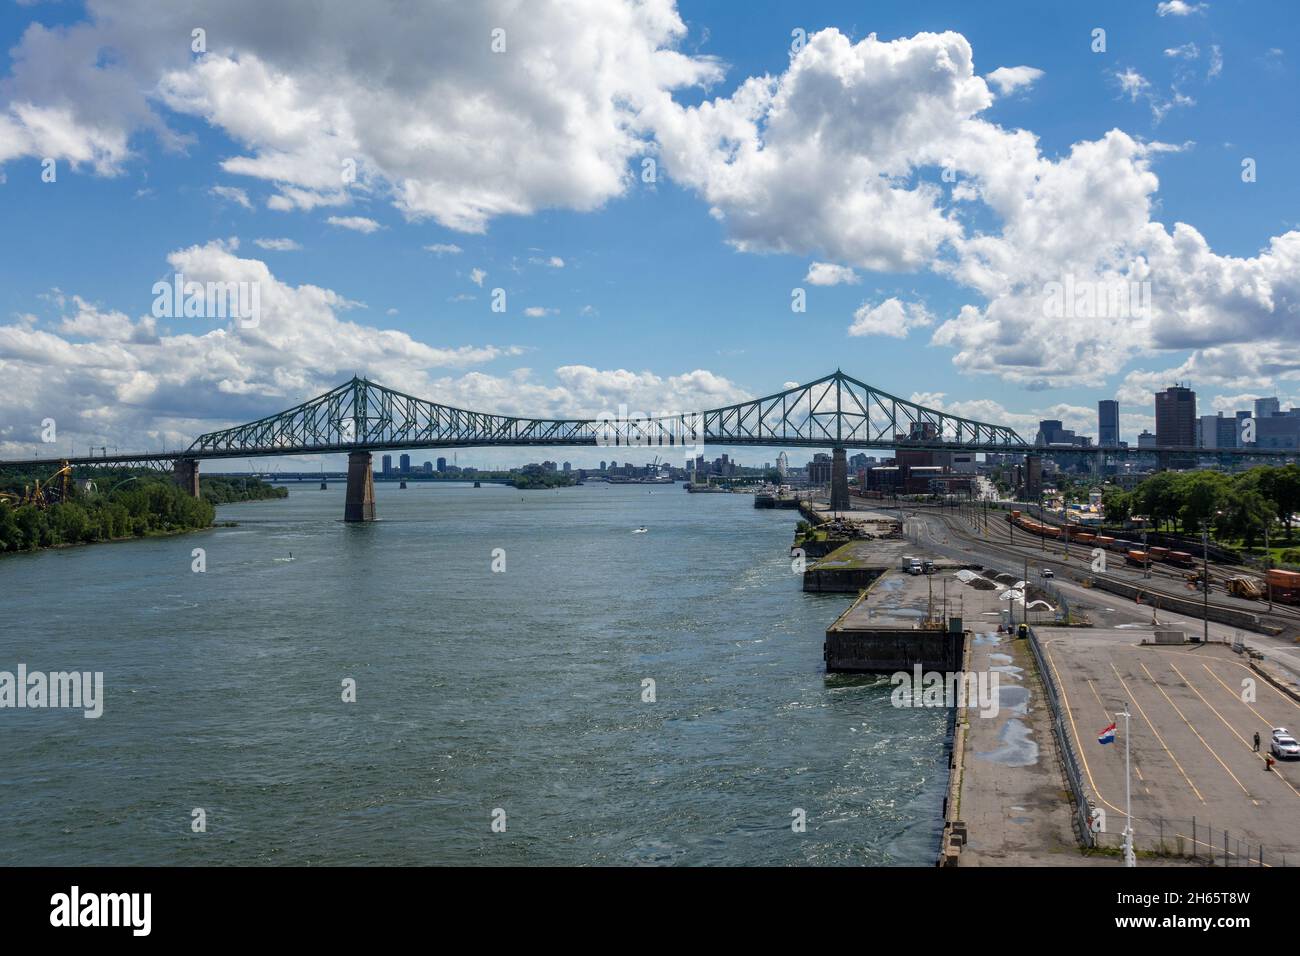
x=1048, y=573
x=1282, y=732
x=1285, y=748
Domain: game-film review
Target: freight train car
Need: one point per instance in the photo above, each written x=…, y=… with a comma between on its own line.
x=1285, y=586
x=1180, y=559
x=1138, y=558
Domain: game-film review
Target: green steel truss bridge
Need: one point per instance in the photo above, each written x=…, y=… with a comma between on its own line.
x=836, y=411
x=832, y=411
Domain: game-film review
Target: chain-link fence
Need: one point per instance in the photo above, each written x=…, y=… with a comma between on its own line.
x=1192, y=839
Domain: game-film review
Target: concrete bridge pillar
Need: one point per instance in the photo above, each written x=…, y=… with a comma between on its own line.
x=360, y=501
x=839, y=480
x=185, y=472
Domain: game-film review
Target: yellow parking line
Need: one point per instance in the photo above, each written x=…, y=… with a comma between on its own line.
x=1155, y=732
x=1069, y=712
x=1225, y=767
x=1235, y=695
x=1243, y=740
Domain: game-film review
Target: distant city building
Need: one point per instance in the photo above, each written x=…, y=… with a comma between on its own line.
x=1278, y=430
x=1052, y=432
x=1239, y=439
x=567, y=467
x=442, y=464
x=387, y=466
x=1146, y=439
x=1176, y=417
x=819, y=469
x=1215, y=431
x=404, y=464
x=428, y=468
x=602, y=466
x=1108, y=423
x=1264, y=407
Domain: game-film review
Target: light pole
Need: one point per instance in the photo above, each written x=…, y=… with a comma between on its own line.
x=1205, y=575
x=1130, y=858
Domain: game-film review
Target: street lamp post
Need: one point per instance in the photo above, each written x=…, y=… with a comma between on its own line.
x=1130, y=857
x=1205, y=576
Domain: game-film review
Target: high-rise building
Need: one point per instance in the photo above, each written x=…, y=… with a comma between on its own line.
x=1176, y=417
x=1146, y=439
x=1264, y=407
x=387, y=467
x=404, y=464
x=783, y=464
x=442, y=464
x=1108, y=423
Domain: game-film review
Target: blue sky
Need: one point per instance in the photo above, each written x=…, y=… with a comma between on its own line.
x=642, y=279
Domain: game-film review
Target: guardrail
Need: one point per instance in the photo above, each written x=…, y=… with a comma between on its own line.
x=1064, y=744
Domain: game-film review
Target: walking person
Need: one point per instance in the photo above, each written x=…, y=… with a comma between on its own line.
x=1257, y=741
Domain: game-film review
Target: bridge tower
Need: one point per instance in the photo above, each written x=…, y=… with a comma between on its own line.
x=839, y=481
x=360, y=501
x=185, y=472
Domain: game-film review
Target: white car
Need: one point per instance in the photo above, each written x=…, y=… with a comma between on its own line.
x=1281, y=732
x=1048, y=573
x=1285, y=747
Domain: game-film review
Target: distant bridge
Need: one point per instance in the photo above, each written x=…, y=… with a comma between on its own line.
x=836, y=411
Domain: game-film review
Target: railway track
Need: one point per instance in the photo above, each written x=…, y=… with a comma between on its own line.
x=1165, y=581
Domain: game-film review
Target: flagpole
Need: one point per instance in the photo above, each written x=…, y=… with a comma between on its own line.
x=1130, y=859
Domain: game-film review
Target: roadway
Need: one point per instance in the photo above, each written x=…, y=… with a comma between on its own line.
x=1192, y=737
x=1192, y=732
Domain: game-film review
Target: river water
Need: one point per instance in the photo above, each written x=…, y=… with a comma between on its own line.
x=476, y=691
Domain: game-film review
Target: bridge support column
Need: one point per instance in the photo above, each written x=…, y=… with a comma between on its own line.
x=360, y=501
x=185, y=472
x=839, y=481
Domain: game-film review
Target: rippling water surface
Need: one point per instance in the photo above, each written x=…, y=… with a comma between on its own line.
x=475, y=691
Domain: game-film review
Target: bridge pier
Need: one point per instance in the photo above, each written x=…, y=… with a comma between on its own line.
x=185, y=472
x=839, y=481
x=360, y=502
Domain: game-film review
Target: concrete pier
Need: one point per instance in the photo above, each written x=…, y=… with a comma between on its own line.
x=898, y=623
x=360, y=502
x=186, y=474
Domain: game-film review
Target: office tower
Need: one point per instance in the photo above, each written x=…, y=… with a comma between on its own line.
x=1264, y=407
x=404, y=463
x=1108, y=423
x=387, y=464
x=1176, y=417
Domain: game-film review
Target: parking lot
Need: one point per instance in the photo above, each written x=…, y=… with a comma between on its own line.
x=1197, y=782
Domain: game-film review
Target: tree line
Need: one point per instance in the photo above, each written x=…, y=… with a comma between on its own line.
x=1232, y=507
x=124, y=503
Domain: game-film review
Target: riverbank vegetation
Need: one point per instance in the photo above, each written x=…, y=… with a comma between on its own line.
x=115, y=504
x=535, y=476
